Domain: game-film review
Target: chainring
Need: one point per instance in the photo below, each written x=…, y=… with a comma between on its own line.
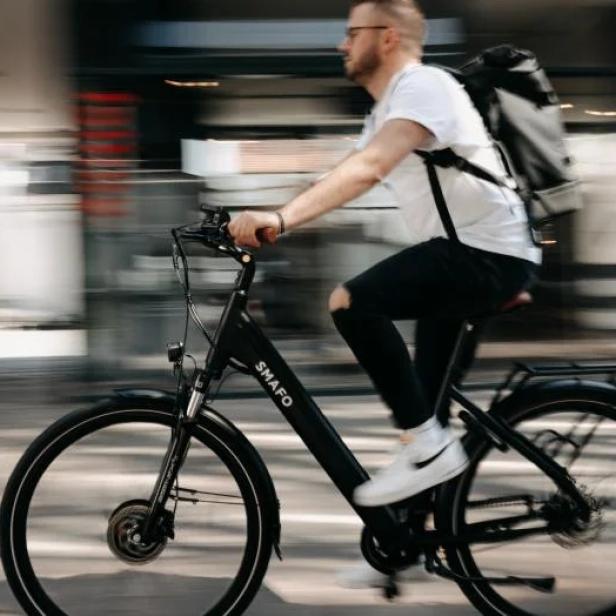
x=381, y=560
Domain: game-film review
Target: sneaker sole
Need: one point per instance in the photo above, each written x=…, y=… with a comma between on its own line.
x=413, y=490
x=415, y=573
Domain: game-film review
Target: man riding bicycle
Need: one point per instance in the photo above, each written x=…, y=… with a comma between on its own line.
x=436, y=281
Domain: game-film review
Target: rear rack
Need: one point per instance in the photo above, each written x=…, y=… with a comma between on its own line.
x=523, y=372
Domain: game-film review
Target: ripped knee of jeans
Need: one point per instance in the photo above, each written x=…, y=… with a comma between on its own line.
x=340, y=299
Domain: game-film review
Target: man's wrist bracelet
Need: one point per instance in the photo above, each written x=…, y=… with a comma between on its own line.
x=281, y=227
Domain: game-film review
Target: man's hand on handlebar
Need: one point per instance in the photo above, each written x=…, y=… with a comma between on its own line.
x=252, y=228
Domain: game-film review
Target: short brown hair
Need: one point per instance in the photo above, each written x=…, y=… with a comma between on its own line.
x=407, y=15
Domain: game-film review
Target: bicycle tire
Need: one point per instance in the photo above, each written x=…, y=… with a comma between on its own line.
x=210, y=434
x=538, y=403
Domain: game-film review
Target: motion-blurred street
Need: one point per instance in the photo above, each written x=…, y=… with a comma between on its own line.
x=119, y=121
x=319, y=530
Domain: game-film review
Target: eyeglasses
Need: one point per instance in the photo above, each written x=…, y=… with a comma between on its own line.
x=351, y=32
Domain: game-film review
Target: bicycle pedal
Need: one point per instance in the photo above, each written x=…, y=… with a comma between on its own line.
x=391, y=589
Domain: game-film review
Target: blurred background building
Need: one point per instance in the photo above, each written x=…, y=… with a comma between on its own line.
x=119, y=117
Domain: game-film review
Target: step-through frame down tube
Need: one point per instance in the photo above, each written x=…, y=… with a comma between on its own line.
x=240, y=338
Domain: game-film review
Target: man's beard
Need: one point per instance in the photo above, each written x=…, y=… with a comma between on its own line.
x=364, y=68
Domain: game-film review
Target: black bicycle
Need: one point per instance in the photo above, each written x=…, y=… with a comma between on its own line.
x=154, y=500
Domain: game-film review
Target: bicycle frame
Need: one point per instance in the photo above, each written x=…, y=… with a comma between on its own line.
x=503, y=436
x=238, y=338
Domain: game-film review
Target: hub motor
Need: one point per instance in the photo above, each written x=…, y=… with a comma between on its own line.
x=124, y=534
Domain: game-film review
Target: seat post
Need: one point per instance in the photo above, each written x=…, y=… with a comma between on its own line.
x=466, y=330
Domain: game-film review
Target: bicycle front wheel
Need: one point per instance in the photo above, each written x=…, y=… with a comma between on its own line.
x=576, y=425
x=73, y=505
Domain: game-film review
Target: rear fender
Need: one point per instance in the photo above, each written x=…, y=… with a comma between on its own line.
x=541, y=392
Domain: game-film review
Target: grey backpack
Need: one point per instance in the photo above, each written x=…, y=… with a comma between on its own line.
x=522, y=113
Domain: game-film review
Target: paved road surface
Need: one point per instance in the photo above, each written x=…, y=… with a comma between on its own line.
x=320, y=530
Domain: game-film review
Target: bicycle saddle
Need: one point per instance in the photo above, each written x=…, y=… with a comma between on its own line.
x=524, y=298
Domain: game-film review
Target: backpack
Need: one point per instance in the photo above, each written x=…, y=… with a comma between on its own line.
x=521, y=111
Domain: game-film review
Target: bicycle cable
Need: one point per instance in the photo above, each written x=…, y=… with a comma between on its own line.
x=180, y=365
x=191, y=310
x=220, y=384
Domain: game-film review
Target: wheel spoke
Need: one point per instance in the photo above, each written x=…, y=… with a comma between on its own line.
x=582, y=435
x=188, y=495
x=79, y=499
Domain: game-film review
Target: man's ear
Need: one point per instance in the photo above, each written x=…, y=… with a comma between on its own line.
x=392, y=38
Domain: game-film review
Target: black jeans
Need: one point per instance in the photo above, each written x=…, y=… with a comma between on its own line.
x=439, y=283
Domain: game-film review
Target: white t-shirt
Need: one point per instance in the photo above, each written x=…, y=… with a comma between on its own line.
x=485, y=216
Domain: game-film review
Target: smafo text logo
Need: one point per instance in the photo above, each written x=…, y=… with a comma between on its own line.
x=273, y=383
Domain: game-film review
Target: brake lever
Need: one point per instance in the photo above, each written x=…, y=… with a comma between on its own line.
x=215, y=216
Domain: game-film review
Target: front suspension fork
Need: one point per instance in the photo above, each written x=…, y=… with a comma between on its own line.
x=173, y=461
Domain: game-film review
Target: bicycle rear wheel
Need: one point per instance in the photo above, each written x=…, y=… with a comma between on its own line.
x=74, y=500
x=576, y=424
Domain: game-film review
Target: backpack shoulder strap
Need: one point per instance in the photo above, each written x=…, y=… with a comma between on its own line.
x=448, y=158
x=439, y=198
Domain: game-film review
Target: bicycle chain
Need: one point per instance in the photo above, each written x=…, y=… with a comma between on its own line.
x=505, y=501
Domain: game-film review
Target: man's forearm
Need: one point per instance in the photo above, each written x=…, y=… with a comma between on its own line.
x=352, y=178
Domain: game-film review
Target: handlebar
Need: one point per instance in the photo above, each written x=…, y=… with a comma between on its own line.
x=213, y=232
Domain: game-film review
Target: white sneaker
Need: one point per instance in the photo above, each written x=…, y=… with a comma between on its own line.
x=363, y=575
x=411, y=473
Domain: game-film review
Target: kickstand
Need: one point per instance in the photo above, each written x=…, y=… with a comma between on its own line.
x=391, y=590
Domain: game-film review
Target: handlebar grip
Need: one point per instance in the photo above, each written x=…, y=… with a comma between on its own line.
x=267, y=235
